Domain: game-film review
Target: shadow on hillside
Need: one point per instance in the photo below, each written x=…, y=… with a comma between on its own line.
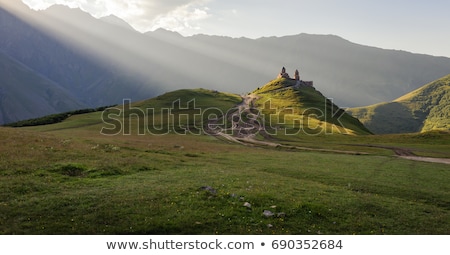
x=394, y=118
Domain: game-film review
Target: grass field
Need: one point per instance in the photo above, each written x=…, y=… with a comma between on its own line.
x=67, y=178
x=75, y=181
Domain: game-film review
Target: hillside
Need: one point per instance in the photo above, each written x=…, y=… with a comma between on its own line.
x=26, y=94
x=182, y=111
x=303, y=110
x=101, y=61
x=424, y=109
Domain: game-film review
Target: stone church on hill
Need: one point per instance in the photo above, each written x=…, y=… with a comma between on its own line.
x=299, y=82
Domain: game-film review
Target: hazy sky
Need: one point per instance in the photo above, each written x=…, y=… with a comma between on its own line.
x=413, y=25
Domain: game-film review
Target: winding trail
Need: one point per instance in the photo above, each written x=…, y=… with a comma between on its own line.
x=245, y=132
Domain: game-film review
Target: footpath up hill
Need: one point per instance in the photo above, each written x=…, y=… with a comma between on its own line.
x=299, y=106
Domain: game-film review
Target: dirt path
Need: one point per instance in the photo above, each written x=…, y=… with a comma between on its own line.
x=408, y=154
x=425, y=159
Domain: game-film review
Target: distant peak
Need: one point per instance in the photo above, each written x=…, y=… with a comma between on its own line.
x=116, y=21
x=165, y=31
x=61, y=9
x=111, y=17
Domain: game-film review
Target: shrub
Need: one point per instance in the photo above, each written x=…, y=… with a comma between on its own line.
x=54, y=118
x=73, y=170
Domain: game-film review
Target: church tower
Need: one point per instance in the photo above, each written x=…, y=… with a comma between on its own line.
x=297, y=75
x=283, y=74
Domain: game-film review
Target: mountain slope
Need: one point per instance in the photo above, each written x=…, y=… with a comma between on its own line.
x=87, y=79
x=25, y=94
x=424, y=109
x=303, y=110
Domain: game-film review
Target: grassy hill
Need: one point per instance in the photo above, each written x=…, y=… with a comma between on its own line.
x=163, y=114
x=424, y=109
x=69, y=178
x=304, y=109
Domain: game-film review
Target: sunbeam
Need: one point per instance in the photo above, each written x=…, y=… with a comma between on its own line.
x=143, y=55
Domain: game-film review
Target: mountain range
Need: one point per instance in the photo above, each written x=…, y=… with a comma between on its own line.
x=87, y=62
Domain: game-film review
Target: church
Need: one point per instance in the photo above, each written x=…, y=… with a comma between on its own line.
x=299, y=82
